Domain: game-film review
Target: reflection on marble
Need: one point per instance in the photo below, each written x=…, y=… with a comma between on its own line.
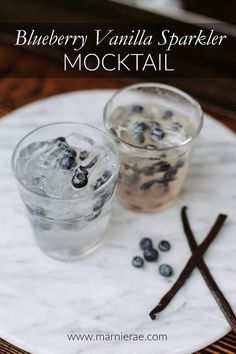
x=43, y=300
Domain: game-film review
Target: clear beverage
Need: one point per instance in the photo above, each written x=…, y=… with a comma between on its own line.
x=155, y=127
x=66, y=174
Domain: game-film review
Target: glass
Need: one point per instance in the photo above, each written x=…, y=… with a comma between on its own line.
x=155, y=127
x=67, y=222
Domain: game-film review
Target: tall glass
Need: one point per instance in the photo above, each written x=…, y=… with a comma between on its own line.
x=70, y=226
x=155, y=127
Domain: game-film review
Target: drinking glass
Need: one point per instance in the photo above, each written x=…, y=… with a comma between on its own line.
x=152, y=173
x=67, y=223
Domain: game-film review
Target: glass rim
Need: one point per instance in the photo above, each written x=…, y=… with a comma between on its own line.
x=151, y=152
x=90, y=192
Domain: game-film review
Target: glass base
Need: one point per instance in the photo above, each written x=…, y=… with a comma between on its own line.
x=146, y=209
x=67, y=256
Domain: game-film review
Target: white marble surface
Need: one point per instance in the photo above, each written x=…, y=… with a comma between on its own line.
x=43, y=300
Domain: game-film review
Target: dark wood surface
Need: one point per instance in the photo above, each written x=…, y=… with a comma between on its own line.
x=16, y=92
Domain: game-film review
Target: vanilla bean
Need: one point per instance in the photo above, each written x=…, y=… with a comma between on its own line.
x=192, y=262
x=215, y=290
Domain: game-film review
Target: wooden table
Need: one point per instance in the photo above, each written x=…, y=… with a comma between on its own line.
x=16, y=92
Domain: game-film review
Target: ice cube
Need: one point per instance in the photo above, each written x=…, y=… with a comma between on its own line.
x=79, y=141
x=59, y=185
x=38, y=184
x=50, y=157
x=31, y=149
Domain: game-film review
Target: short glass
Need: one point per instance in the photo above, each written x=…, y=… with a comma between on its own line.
x=155, y=127
x=67, y=222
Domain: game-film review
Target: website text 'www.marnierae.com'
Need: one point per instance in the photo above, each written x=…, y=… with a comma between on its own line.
x=117, y=337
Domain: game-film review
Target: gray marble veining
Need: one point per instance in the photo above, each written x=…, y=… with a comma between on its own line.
x=43, y=300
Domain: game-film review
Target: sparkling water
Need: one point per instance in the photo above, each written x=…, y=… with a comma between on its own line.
x=66, y=184
x=148, y=181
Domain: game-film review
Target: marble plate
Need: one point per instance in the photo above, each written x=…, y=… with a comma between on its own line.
x=42, y=301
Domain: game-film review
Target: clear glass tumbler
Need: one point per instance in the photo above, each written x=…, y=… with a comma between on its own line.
x=155, y=127
x=66, y=175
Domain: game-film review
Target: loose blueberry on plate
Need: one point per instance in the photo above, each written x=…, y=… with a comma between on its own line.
x=139, y=127
x=79, y=180
x=157, y=134
x=164, y=246
x=168, y=114
x=165, y=270
x=150, y=254
x=139, y=138
x=136, y=108
x=145, y=243
x=83, y=155
x=67, y=162
x=137, y=262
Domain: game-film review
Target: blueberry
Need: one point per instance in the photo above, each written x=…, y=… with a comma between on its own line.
x=137, y=262
x=79, y=180
x=36, y=211
x=150, y=147
x=154, y=125
x=99, y=182
x=67, y=162
x=164, y=246
x=92, y=162
x=179, y=164
x=82, y=169
x=83, y=155
x=70, y=152
x=170, y=174
x=40, y=211
x=145, y=243
x=157, y=134
x=165, y=270
x=60, y=139
x=139, y=138
x=163, y=166
x=93, y=215
x=106, y=195
x=99, y=204
x=136, y=108
x=147, y=185
x=139, y=127
x=168, y=114
x=176, y=126
x=150, y=254
x=131, y=177
x=149, y=170
x=106, y=175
